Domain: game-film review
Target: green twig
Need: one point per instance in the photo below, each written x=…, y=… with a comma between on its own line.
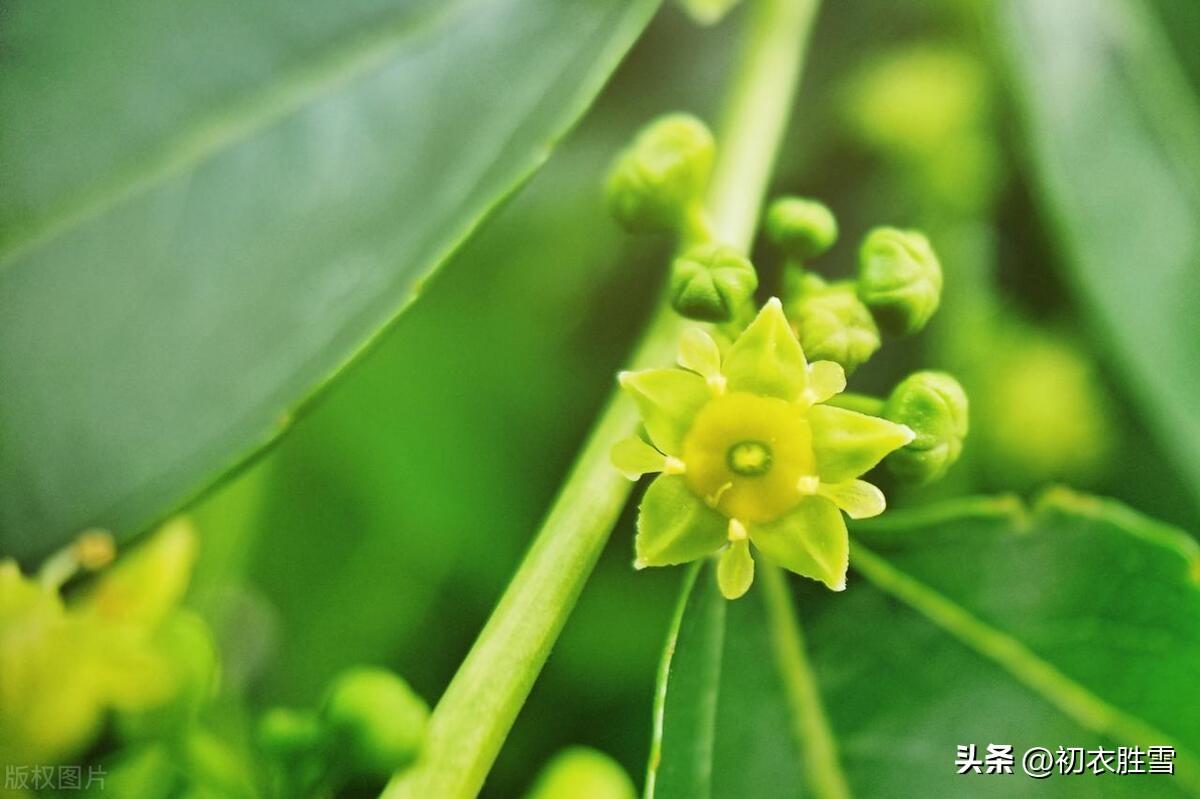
x=474, y=715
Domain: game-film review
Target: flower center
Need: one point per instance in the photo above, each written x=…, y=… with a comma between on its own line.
x=749, y=458
x=745, y=456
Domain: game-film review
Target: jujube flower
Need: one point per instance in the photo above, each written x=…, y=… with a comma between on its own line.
x=750, y=454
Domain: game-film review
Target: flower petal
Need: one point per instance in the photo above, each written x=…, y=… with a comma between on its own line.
x=634, y=457
x=848, y=443
x=766, y=359
x=811, y=541
x=825, y=379
x=858, y=498
x=668, y=400
x=699, y=353
x=735, y=569
x=674, y=526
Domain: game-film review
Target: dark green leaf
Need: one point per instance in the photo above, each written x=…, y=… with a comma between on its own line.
x=1076, y=623
x=209, y=209
x=1113, y=131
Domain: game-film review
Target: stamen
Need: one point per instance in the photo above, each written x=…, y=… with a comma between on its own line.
x=809, y=484
x=737, y=531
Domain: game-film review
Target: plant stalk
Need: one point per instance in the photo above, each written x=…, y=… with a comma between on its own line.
x=473, y=717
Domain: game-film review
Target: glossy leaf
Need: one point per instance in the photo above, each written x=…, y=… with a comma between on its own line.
x=201, y=228
x=1114, y=133
x=1075, y=623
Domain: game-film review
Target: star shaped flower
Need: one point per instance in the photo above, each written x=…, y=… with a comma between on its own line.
x=750, y=454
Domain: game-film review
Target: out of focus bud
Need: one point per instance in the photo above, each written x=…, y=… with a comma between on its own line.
x=801, y=228
x=582, y=773
x=120, y=645
x=707, y=12
x=710, y=282
x=899, y=278
x=288, y=734
x=1028, y=436
x=187, y=666
x=661, y=177
x=374, y=720
x=832, y=323
x=934, y=405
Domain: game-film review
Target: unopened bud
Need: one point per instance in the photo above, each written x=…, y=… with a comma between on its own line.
x=801, y=228
x=582, y=773
x=710, y=282
x=654, y=182
x=934, y=405
x=899, y=278
x=832, y=323
x=375, y=720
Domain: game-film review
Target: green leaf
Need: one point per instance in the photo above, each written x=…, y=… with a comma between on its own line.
x=1075, y=623
x=1113, y=131
x=718, y=713
x=203, y=226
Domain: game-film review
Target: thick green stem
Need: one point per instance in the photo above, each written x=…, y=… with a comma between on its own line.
x=474, y=715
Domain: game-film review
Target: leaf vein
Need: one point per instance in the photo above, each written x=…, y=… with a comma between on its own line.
x=1022, y=663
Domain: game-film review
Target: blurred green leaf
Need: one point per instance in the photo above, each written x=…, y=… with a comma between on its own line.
x=432, y=461
x=725, y=726
x=1113, y=130
x=209, y=208
x=1076, y=623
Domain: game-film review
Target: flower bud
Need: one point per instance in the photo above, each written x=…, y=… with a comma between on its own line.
x=710, y=282
x=375, y=720
x=654, y=181
x=801, y=228
x=899, y=278
x=832, y=323
x=582, y=773
x=288, y=734
x=934, y=405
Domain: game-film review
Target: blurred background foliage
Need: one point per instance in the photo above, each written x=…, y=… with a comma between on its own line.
x=383, y=528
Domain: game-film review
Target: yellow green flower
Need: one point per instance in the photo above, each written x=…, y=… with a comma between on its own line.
x=120, y=647
x=750, y=454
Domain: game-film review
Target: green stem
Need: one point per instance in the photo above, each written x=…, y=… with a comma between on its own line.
x=822, y=767
x=474, y=715
x=756, y=114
